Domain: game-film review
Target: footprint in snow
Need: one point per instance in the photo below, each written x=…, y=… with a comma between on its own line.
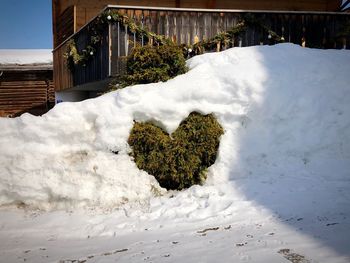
x=292, y=256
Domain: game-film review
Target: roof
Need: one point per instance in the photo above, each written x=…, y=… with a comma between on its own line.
x=25, y=59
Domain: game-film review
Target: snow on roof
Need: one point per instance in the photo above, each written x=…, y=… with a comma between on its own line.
x=25, y=56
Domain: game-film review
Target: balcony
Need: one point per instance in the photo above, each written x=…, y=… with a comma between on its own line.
x=186, y=26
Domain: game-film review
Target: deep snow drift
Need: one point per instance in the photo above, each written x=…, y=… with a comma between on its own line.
x=284, y=160
x=284, y=109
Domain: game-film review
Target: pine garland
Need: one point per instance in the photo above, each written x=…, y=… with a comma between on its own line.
x=228, y=38
x=74, y=58
x=113, y=17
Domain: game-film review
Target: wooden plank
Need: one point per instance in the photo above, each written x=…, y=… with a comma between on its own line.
x=63, y=78
x=23, y=97
x=20, y=91
x=31, y=94
x=154, y=21
x=64, y=25
x=193, y=28
x=172, y=26
x=178, y=26
x=185, y=32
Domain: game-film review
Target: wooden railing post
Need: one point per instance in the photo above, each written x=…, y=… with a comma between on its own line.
x=118, y=36
x=109, y=50
x=126, y=39
x=142, y=27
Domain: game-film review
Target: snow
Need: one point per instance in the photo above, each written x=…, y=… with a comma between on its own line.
x=25, y=56
x=280, y=184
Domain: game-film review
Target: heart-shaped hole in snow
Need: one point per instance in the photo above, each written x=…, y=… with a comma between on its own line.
x=179, y=161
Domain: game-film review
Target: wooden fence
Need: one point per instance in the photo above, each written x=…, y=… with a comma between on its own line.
x=187, y=26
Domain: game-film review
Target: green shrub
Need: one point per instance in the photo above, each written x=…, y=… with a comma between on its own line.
x=181, y=160
x=149, y=64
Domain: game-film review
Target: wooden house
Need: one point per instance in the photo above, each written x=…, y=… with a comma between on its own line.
x=317, y=21
x=26, y=87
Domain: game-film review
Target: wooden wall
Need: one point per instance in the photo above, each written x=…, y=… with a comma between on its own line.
x=65, y=25
x=26, y=91
x=62, y=76
x=284, y=5
x=85, y=10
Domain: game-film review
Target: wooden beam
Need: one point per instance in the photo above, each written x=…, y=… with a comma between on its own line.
x=75, y=18
x=54, y=15
x=211, y=4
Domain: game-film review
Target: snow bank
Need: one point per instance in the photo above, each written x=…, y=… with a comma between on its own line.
x=25, y=56
x=285, y=111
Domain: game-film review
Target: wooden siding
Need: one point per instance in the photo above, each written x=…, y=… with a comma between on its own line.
x=26, y=91
x=62, y=76
x=282, y=5
x=85, y=10
x=65, y=24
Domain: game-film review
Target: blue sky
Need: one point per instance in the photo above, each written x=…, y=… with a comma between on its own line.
x=25, y=24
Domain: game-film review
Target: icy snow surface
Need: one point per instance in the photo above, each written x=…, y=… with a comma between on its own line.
x=281, y=179
x=25, y=56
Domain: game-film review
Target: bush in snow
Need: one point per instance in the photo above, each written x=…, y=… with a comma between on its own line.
x=149, y=64
x=180, y=160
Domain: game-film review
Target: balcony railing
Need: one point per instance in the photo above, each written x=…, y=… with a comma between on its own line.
x=185, y=26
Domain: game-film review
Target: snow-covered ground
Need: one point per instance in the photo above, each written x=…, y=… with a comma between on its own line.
x=278, y=192
x=25, y=56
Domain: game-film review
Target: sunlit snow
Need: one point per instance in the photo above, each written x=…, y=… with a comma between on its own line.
x=280, y=184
